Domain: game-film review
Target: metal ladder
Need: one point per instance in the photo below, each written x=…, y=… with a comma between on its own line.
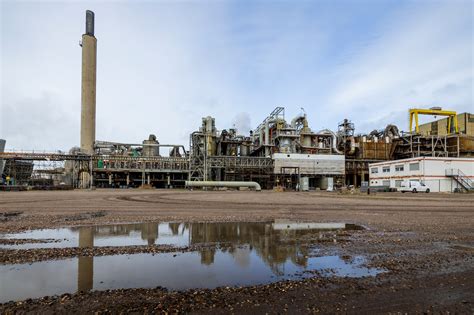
x=461, y=178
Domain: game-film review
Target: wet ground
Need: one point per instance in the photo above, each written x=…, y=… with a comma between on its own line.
x=249, y=253
x=235, y=252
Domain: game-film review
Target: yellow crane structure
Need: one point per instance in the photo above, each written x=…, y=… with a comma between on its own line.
x=435, y=111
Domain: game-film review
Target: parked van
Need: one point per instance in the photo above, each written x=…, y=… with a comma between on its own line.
x=414, y=187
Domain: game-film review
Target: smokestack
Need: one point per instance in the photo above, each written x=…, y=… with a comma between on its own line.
x=88, y=93
x=90, y=23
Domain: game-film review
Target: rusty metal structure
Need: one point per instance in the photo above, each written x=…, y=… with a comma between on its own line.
x=277, y=153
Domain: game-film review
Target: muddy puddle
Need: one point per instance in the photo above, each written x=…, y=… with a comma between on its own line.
x=168, y=233
x=242, y=266
x=254, y=253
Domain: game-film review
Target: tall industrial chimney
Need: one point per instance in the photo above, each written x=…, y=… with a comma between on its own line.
x=88, y=93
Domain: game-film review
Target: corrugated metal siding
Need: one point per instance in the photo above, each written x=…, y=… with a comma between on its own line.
x=439, y=127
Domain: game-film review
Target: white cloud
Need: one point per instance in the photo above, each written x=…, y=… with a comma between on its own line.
x=162, y=66
x=423, y=58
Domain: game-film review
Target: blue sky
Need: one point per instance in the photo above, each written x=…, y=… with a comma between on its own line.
x=163, y=65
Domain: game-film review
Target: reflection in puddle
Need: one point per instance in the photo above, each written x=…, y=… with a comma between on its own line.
x=239, y=266
x=177, y=234
x=252, y=253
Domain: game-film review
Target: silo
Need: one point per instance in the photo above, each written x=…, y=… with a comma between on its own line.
x=150, y=146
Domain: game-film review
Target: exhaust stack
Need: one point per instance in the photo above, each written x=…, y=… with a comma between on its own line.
x=88, y=92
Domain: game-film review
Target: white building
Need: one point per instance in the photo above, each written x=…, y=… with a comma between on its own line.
x=440, y=174
x=317, y=170
x=310, y=164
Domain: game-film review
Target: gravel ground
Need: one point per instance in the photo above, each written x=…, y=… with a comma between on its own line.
x=425, y=241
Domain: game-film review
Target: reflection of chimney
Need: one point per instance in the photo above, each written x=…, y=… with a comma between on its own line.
x=88, y=93
x=85, y=273
x=85, y=268
x=207, y=256
x=149, y=232
x=86, y=237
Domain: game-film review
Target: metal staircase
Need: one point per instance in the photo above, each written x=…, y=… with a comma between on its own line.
x=463, y=180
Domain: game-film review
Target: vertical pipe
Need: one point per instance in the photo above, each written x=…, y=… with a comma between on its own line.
x=2, y=148
x=267, y=138
x=88, y=90
x=91, y=169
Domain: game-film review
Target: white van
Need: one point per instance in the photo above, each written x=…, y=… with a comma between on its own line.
x=414, y=187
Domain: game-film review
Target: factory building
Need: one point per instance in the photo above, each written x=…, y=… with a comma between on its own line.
x=440, y=126
x=276, y=153
x=279, y=152
x=440, y=174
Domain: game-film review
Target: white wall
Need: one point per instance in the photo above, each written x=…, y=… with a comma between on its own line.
x=432, y=172
x=310, y=164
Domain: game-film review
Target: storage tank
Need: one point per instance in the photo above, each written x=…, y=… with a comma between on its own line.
x=150, y=146
x=304, y=183
x=209, y=130
x=245, y=148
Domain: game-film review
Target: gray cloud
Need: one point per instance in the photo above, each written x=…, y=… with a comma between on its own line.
x=40, y=122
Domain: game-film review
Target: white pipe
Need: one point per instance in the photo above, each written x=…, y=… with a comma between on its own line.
x=267, y=133
x=334, y=139
x=223, y=184
x=297, y=118
x=353, y=146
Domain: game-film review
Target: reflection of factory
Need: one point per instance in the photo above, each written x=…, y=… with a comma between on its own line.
x=274, y=246
x=148, y=231
x=272, y=243
x=278, y=152
x=87, y=235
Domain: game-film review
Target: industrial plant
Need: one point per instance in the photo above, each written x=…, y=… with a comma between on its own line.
x=280, y=153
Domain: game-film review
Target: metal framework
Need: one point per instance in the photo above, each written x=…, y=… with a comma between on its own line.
x=156, y=164
x=437, y=146
x=277, y=113
x=197, y=158
x=414, y=112
x=241, y=162
x=32, y=156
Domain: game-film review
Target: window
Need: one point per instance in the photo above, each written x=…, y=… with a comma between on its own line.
x=398, y=183
x=386, y=169
x=415, y=166
x=386, y=183
x=399, y=168
x=374, y=170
